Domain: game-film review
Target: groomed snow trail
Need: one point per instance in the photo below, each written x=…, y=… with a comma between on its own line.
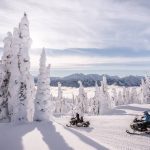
x=105, y=132
x=109, y=130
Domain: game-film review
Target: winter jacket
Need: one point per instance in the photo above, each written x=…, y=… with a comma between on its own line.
x=147, y=117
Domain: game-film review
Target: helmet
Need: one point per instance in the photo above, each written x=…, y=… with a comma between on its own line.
x=145, y=112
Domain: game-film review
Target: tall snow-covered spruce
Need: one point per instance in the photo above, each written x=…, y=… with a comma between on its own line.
x=105, y=103
x=20, y=86
x=59, y=100
x=95, y=108
x=42, y=100
x=81, y=107
x=5, y=76
x=145, y=90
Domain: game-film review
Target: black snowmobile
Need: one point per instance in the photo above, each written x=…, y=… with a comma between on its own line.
x=78, y=122
x=139, y=126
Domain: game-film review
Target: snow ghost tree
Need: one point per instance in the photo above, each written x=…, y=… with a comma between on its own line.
x=81, y=107
x=42, y=99
x=145, y=90
x=134, y=96
x=120, y=98
x=4, y=97
x=59, y=100
x=95, y=102
x=114, y=98
x=126, y=95
x=105, y=103
x=59, y=91
x=61, y=105
x=7, y=55
x=20, y=85
x=5, y=76
x=2, y=73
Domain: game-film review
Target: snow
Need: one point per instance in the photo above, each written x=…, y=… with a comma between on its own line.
x=105, y=132
x=17, y=95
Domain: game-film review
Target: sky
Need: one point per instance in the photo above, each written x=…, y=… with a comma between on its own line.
x=84, y=36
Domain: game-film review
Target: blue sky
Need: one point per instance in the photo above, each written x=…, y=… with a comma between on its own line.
x=84, y=36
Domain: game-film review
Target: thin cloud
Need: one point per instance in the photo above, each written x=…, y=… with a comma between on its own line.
x=81, y=23
x=84, y=34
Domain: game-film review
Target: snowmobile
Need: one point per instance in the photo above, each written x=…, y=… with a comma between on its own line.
x=78, y=123
x=138, y=126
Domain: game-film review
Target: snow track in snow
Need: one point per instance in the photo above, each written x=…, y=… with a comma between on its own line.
x=105, y=132
x=110, y=130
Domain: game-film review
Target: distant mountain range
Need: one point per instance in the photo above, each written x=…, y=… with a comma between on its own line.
x=90, y=79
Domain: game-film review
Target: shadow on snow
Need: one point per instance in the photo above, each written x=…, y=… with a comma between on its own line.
x=122, y=110
x=87, y=140
x=11, y=137
x=52, y=138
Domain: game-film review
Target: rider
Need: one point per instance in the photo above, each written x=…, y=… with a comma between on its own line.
x=81, y=120
x=77, y=119
x=146, y=119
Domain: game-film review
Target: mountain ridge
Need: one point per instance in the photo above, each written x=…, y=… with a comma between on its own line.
x=90, y=79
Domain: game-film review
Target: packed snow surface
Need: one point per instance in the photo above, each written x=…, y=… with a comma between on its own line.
x=105, y=132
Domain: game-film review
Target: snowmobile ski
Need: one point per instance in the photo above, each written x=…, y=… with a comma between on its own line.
x=73, y=126
x=68, y=125
x=137, y=133
x=129, y=132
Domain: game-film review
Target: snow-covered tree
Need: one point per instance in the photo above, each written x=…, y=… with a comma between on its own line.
x=43, y=98
x=2, y=72
x=60, y=92
x=95, y=101
x=126, y=95
x=114, y=98
x=59, y=100
x=105, y=101
x=120, y=98
x=4, y=96
x=17, y=85
x=21, y=85
x=5, y=76
x=8, y=54
x=145, y=90
x=134, y=96
x=14, y=82
x=81, y=107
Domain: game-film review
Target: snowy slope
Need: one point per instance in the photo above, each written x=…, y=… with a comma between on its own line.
x=105, y=132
